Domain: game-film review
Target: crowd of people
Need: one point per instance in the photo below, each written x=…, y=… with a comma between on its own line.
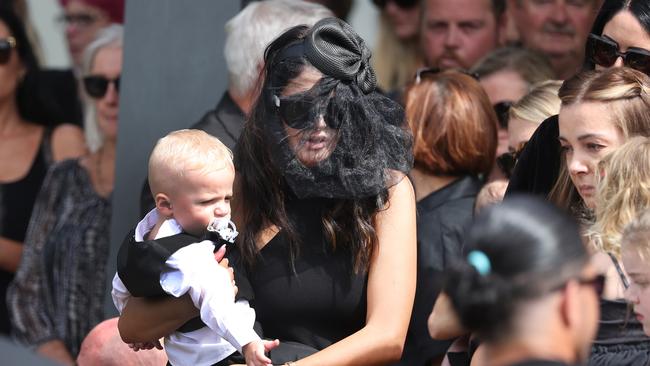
x=474, y=189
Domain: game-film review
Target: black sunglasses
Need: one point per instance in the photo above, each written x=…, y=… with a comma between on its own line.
x=6, y=45
x=300, y=111
x=604, y=51
x=96, y=86
x=502, y=110
x=404, y=4
x=508, y=160
x=428, y=71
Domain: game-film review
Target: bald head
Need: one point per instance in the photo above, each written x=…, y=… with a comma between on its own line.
x=103, y=346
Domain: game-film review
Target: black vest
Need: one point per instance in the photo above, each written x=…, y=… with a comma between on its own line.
x=140, y=264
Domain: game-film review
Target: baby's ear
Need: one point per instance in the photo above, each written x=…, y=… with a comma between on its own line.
x=164, y=205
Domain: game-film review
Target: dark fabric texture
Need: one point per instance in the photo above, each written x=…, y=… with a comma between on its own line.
x=321, y=303
x=538, y=165
x=50, y=97
x=59, y=288
x=333, y=47
x=373, y=145
x=17, y=200
x=442, y=219
x=225, y=122
x=140, y=264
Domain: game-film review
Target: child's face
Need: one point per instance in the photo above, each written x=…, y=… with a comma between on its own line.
x=638, y=294
x=201, y=197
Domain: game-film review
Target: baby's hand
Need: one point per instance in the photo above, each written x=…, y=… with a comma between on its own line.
x=254, y=352
x=145, y=345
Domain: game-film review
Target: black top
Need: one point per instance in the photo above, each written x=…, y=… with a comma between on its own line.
x=443, y=217
x=16, y=203
x=225, y=122
x=321, y=303
x=538, y=165
x=620, y=339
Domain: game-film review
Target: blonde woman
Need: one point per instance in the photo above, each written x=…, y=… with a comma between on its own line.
x=600, y=111
x=622, y=194
x=397, y=56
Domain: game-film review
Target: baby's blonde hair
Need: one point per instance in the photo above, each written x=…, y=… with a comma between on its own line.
x=637, y=235
x=182, y=151
x=622, y=194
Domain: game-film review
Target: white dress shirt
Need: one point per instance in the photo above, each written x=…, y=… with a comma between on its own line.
x=193, y=270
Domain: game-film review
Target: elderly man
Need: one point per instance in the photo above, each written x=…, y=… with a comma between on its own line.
x=557, y=28
x=456, y=34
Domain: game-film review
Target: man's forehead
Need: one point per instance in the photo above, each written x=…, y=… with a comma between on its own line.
x=458, y=10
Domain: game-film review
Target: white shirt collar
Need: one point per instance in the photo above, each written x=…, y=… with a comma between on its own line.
x=168, y=228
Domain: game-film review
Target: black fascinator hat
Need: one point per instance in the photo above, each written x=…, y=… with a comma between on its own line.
x=372, y=146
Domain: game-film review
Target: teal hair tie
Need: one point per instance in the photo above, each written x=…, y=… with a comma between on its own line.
x=480, y=261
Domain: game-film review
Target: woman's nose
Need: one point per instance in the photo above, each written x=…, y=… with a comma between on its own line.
x=576, y=165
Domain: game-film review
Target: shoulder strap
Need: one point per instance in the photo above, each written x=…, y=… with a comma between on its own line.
x=46, y=146
x=621, y=274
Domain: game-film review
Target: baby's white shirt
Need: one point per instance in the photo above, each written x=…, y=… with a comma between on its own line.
x=192, y=269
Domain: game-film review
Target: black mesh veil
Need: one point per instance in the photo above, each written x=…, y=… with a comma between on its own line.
x=367, y=142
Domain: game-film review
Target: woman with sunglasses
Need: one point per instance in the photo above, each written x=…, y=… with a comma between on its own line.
x=58, y=294
x=397, y=54
x=620, y=37
x=325, y=211
x=526, y=287
x=455, y=138
x=27, y=148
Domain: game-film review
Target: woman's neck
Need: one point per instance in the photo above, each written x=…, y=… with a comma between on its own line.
x=10, y=122
x=102, y=162
x=425, y=183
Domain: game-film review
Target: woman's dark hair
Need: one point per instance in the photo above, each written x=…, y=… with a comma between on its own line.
x=17, y=30
x=531, y=248
x=268, y=180
x=639, y=8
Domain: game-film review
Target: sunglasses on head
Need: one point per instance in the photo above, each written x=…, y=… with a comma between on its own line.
x=404, y=4
x=429, y=71
x=301, y=111
x=6, y=45
x=96, y=86
x=604, y=52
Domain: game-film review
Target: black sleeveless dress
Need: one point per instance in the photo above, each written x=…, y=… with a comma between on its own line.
x=321, y=303
x=620, y=339
x=16, y=203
